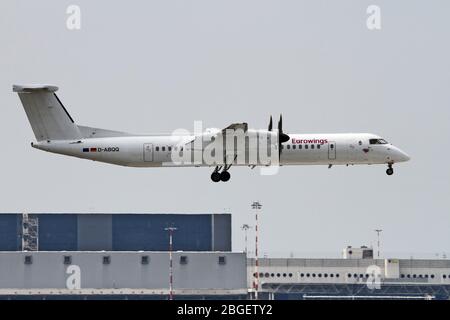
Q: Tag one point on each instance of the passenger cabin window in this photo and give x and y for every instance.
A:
(312, 146)
(288, 146)
(377, 141)
(306, 146)
(163, 148)
(157, 148)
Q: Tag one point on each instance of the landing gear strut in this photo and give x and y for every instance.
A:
(390, 170)
(224, 176)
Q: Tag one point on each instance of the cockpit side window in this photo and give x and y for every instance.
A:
(377, 141)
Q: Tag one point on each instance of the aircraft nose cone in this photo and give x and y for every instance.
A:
(405, 157)
(401, 156)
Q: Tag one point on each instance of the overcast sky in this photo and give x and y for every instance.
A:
(155, 66)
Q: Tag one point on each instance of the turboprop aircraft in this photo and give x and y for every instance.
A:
(236, 145)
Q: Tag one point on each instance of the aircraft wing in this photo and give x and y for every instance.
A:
(235, 126)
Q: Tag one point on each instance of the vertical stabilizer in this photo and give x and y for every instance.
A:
(48, 117)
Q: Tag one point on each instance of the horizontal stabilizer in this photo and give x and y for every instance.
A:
(34, 88)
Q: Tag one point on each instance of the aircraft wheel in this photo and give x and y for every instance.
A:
(225, 176)
(215, 176)
(390, 171)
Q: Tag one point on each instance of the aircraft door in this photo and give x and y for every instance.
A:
(332, 150)
(148, 152)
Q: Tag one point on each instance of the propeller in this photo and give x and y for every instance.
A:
(282, 137)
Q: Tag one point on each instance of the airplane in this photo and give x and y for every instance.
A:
(56, 132)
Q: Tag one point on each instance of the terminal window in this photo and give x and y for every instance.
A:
(67, 260)
(28, 260)
(222, 260)
(145, 259)
(183, 260)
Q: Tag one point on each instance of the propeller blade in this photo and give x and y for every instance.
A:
(280, 132)
(280, 124)
(270, 124)
(282, 137)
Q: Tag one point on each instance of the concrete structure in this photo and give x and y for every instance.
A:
(115, 232)
(214, 275)
(205, 270)
(297, 278)
(120, 274)
(357, 253)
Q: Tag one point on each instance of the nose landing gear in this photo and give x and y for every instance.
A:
(390, 170)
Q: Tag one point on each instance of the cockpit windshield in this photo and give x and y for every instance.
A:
(377, 141)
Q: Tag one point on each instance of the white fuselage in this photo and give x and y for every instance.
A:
(235, 145)
(301, 149)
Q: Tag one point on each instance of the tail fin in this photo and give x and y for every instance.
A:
(47, 115)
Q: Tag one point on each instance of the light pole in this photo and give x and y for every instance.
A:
(378, 231)
(245, 227)
(171, 230)
(256, 206)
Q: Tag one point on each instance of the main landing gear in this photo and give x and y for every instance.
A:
(390, 170)
(224, 176)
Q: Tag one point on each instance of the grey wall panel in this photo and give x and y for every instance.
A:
(125, 270)
(94, 232)
(221, 225)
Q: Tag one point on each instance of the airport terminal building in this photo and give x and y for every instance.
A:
(119, 256)
(352, 277)
(125, 256)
